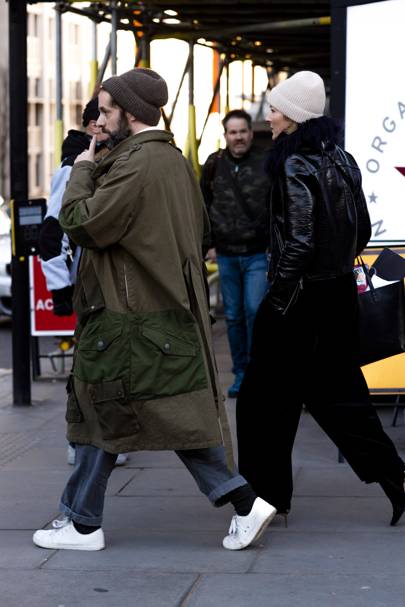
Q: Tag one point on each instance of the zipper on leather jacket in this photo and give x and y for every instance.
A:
(294, 296)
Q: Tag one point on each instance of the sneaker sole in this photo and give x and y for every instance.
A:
(69, 547)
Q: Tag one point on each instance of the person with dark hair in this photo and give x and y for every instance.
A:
(304, 348)
(144, 375)
(59, 254)
(59, 258)
(235, 189)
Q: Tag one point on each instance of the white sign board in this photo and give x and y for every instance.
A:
(375, 111)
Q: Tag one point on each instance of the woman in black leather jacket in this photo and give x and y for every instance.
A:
(304, 340)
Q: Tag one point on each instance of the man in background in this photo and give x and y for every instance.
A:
(236, 188)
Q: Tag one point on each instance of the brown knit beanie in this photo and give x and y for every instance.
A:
(141, 92)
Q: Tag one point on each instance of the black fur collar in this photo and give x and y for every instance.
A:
(310, 137)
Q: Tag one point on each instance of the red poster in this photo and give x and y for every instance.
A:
(43, 320)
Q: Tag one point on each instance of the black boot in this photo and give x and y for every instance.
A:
(395, 492)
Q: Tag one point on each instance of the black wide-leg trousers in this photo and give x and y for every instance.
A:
(308, 356)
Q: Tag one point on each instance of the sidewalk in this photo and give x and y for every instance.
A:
(164, 538)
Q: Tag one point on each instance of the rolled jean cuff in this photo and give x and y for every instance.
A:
(226, 487)
(90, 521)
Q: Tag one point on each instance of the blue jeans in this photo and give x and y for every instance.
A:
(83, 497)
(243, 286)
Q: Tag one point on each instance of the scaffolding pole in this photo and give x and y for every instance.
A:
(93, 61)
(191, 144)
(59, 86)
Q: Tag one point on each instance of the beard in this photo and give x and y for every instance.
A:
(120, 133)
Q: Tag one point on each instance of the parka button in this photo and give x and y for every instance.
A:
(167, 346)
(92, 307)
(100, 344)
(120, 393)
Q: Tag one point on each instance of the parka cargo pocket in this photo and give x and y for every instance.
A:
(73, 412)
(114, 413)
(103, 349)
(164, 364)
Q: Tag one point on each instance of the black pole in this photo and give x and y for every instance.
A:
(338, 62)
(19, 191)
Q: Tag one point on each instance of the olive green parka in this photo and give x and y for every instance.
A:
(144, 373)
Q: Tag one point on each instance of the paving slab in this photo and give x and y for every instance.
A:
(342, 514)
(170, 512)
(22, 512)
(18, 552)
(159, 482)
(332, 481)
(266, 590)
(47, 483)
(302, 553)
(93, 589)
(164, 551)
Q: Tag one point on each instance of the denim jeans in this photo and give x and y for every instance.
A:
(243, 286)
(83, 497)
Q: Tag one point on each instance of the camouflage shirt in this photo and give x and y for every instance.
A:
(236, 192)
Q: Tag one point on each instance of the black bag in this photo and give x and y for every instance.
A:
(381, 321)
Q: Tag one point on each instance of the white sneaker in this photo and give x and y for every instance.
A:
(71, 455)
(65, 537)
(246, 529)
(121, 459)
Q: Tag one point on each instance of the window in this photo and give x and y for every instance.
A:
(37, 87)
(38, 170)
(74, 33)
(33, 25)
(38, 115)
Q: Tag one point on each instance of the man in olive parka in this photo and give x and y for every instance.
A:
(144, 374)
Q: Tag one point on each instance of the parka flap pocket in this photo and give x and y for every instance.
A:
(169, 344)
(101, 341)
(107, 391)
(115, 415)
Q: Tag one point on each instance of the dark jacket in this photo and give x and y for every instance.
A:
(319, 216)
(236, 195)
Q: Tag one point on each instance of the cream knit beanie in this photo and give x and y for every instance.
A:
(300, 97)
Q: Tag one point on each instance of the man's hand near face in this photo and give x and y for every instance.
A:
(90, 153)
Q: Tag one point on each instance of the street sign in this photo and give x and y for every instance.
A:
(375, 112)
(43, 320)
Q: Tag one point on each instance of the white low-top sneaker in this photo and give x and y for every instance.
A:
(64, 536)
(121, 459)
(246, 529)
(71, 455)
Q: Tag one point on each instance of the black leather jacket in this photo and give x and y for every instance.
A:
(319, 221)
